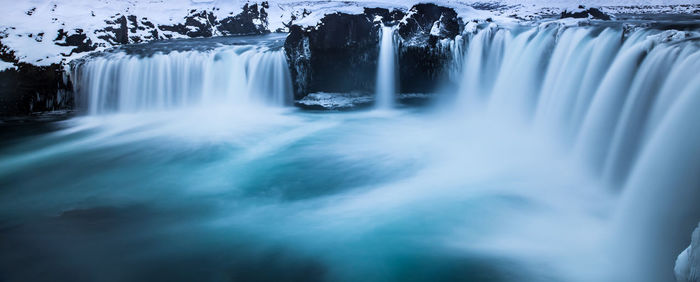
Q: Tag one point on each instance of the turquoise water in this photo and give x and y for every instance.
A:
(259, 194)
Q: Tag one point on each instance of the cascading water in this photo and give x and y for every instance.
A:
(571, 156)
(623, 104)
(386, 70)
(236, 75)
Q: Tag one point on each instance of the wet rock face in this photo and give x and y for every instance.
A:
(340, 53)
(422, 62)
(299, 59)
(421, 68)
(337, 55)
(583, 13)
(29, 89)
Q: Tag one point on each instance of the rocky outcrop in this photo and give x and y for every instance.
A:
(583, 13)
(126, 29)
(422, 62)
(252, 20)
(340, 53)
(78, 39)
(298, 51)
(28, 89)
(337, 55)
(425, 24)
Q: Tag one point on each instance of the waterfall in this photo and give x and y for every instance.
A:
(602, 90)
(624, 103)
(386, 70)
(238, 75)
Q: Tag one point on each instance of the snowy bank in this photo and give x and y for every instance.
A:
(44, 32)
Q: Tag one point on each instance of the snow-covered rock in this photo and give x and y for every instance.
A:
(334, 101)
(45, 32)
(583, 12)
(688, 262)
(426, 23)
(352, 101)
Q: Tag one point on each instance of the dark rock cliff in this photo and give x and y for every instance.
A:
(29, 89)
(340, 53)
(421, 61)
(337, 55)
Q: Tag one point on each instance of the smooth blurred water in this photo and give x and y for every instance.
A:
(386, 69)
(620, 100)
(179, 74)
(279, 194)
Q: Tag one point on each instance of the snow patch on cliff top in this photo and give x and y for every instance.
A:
(6, 66)
(30, 27)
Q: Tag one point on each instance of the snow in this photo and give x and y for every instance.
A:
(23, 21)
(470, 27)
(43, 52)
(321, 8)
(20, 19)
(335, 100)
(688, 262)
(340, 101)
(6, 66)
(672, 36)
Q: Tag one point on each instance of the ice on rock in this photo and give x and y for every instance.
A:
(437, 29)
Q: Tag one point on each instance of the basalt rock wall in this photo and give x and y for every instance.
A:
(340, 53)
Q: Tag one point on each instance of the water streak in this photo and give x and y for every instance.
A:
(386, 70)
